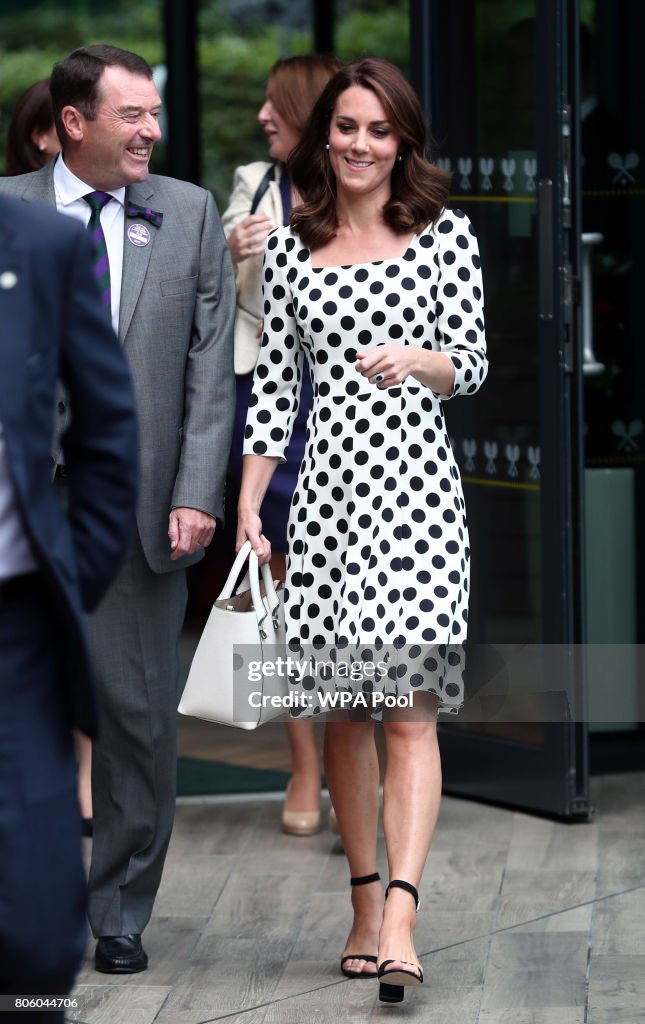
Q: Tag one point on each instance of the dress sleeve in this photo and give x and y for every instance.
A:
(278, 374)
(459, 325)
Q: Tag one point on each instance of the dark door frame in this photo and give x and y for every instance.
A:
(501, 770)
(183, 152)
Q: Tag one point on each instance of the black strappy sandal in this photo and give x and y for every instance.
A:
(361, 880)
(392, 990)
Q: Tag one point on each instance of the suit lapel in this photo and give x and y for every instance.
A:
(136, 258)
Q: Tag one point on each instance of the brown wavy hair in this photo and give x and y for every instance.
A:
(419, 187)
(295, 83)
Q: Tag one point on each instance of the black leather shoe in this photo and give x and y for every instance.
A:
(120, 954)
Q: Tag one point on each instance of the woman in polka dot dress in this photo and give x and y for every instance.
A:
(378, 286)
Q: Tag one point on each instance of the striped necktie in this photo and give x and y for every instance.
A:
(101, 265)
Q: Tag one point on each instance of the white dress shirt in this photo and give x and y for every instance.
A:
(69, 192)
(16, 556)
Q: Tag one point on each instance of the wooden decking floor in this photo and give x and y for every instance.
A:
(523, 921)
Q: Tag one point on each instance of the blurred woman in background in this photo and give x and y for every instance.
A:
(32, 141)
(262, 199)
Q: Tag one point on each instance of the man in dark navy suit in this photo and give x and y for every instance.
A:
(55, 563)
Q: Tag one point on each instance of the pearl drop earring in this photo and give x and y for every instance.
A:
(399, 158)
(327, 146)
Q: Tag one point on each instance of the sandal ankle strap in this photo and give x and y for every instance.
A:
(398, 883)
(365, 879)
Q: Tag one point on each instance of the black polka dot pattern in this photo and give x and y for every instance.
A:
(378, 542)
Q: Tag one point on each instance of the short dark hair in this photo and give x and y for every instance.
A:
(419, 187)
(75, 79)
(33, 113)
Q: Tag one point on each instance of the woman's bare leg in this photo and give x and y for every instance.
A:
(304, 786)
(84, 755)
(351, 767)
(411, 799)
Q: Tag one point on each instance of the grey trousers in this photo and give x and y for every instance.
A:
(133, 639)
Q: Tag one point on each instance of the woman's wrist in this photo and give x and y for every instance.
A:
(435, 370)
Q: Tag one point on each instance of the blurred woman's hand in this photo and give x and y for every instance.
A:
(249, 236)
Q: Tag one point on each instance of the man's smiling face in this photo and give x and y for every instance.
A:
(115, 147)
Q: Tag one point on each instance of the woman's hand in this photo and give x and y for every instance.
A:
(386, 366)
(249, 236)
(249, 527)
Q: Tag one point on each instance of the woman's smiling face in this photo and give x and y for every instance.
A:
(363, 144)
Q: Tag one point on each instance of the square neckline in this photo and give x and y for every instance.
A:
(368, 263)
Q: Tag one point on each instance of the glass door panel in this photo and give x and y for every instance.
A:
(613, 219)
(497, 91)
(497, 438)
(497, 442)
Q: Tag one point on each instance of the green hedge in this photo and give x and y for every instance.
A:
(234, 65)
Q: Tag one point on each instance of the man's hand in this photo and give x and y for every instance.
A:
(188, 531)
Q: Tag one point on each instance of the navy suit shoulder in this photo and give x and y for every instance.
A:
(35, 219)
(50, 310)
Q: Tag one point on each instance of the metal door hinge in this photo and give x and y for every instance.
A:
(566, 279)
(565, 131)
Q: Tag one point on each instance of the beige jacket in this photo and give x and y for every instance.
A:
(248, 318)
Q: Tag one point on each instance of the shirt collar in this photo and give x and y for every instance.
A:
(69, 188)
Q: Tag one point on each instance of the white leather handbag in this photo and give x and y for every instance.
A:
(236, 677)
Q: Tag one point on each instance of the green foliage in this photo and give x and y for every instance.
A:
(375, 35)
(234, 62)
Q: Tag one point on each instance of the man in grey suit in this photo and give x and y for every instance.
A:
(164, 269)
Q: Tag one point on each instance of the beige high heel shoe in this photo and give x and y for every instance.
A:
(299, 823)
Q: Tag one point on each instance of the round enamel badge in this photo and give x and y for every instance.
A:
(138, 234)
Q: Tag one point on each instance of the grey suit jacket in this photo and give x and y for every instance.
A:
(176, 326)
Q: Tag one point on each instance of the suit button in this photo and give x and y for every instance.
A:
(62, 406)
(8, 280)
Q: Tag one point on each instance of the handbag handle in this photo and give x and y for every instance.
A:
(261, 609)
(269, 176)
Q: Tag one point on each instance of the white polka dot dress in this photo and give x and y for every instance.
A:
(378, 542)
